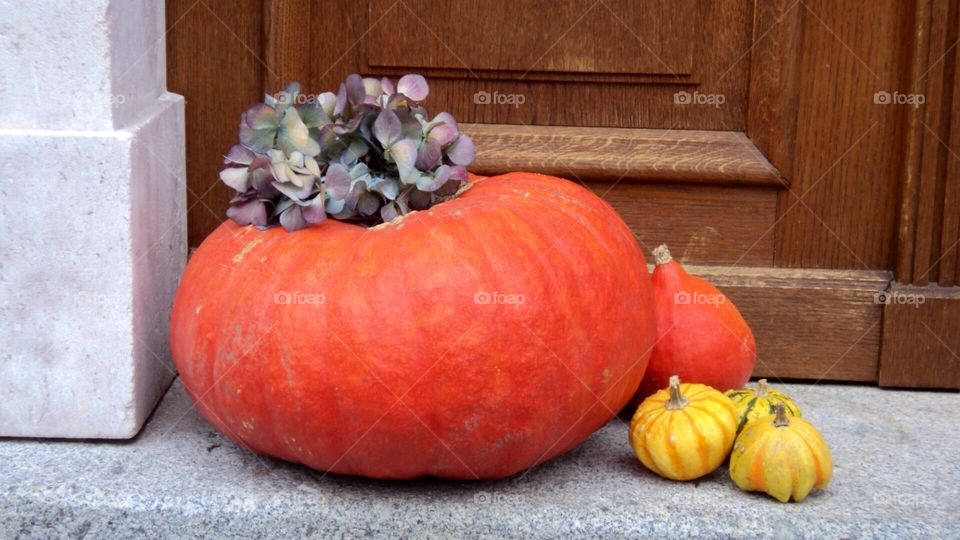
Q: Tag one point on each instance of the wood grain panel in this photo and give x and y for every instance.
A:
(841, 209)
(340, 43)
(618, 36)
(921, 341)
(719, 157)
(809, 324)
(212, 60)
(287, 51)
(701, 224)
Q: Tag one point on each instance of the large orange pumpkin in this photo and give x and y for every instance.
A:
(471, 340)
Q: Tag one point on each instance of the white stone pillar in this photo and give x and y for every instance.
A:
(93, 218)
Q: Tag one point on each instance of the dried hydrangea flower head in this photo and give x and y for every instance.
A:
(369, 152)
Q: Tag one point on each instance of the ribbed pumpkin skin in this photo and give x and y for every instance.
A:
(784, 462)
(686, 443)
(398, 371)
(752, 404)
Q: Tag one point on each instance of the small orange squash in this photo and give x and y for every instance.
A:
(685, 431)
(701, 336)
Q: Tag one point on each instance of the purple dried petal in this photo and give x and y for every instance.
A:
(429, 156)
(368, 204)
(354, 152)
(389, 212)
(292, 219)
(335, 206)
(349, 127)
(404, 154)
(337, 181)
(387, 86)
(387, 128)
(414, 87)
(449, 188)
(296, 194)
(436, 181)
(240, 155)
(314, 212)
(444, 134)
(411, 128)
(262, 181)
(341, 106)
(458, 172)
(387, 187)
(251, 212)
(372, 87)
(236, 177)
(355, 89)
(397, 101)
(261, 162)
(261, 116)
(294, 135)
(327, 102)
(420, 200)
(313, 114)
(443, 118)
(461, 152)
(257, 140)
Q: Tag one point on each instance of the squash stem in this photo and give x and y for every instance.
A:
(677, 401)
(762, 388)
(780, 420)
(661, 255)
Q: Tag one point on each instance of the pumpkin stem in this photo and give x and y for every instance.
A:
(661, 255)
(762, 389)
(677, 401)
(781, 419)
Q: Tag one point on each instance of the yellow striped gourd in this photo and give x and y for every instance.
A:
(781, 456)
(685, 431)
(752, 404)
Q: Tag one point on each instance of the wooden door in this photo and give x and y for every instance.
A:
(802, 155)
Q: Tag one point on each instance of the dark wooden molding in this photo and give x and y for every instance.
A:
(537, 76)
(774, 80)
(612, 154)
(929, 220)
(921, 337)
(809, 324)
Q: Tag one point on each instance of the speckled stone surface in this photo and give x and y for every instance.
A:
(897, 474)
